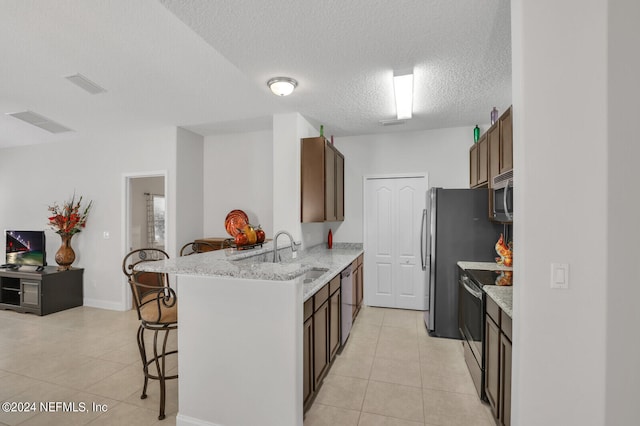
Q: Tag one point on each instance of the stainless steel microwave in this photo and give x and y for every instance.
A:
(503, 197)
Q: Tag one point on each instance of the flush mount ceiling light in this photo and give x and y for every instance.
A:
(282, 86)
(403, 89)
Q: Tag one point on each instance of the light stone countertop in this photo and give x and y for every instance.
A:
(484, 266)
(503, 296)
(256, 264)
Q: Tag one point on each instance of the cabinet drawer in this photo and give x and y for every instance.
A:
(360, 259)
(506, 325)
(308, 308)
(493, 310)
(334, 284)
(320, 297)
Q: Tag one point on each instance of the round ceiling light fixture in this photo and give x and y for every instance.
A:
(282, 86)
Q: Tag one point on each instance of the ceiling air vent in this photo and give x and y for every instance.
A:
(40, 121)
(391, 122)
(84, 83)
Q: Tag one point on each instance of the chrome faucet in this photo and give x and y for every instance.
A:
(275, 244)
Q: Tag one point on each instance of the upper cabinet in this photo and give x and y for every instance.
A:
(322, 181)
(500, 146)
(478, 163)
(493, 154)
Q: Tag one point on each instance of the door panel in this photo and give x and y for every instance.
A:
(393, 215)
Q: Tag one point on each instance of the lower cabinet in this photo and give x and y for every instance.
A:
(498, 362)
(321, 335)
(358, 284)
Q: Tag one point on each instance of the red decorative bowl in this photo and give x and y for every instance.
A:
(236, 220)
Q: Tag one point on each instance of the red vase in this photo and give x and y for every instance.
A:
(330, 239)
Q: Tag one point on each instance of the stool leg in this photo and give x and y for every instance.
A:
(143, 356)
(160, 367)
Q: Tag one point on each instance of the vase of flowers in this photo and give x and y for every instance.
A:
(67, 221)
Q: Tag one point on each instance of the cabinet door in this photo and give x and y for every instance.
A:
(30, 294)
(473, 166)
(493, 136)
(505, 381)
(334, 324)
(506, 141)
(339, 186)
(483, 156)
(307, 361)
(320, 343)
(329, 183)
(360, 286)
(312, 180)
(354, 289)
(492, 364)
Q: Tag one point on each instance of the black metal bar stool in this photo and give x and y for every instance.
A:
(157, 306)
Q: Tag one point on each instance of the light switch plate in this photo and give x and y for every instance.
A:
(560, 275)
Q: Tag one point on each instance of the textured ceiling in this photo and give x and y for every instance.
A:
(204, 64)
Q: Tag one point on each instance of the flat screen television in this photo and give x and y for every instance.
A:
(25, 248)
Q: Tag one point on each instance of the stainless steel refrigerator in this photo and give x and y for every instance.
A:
(458, 229)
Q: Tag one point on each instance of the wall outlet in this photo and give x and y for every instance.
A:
(106, 235)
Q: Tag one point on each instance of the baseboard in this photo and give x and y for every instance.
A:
(182, 420)
(97, 303)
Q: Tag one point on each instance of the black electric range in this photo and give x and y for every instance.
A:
(482, 277)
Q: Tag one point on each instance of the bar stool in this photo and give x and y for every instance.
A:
(157, 306)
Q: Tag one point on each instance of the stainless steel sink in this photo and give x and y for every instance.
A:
(313, 274)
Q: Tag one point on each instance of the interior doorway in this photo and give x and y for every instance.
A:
(145, 215)
(393, 241)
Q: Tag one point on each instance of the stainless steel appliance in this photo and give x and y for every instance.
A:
(503, 197)
(346, 289)
(458, 229)
(471, 310)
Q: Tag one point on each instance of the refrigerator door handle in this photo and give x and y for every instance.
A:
(423, 258)
(506, 207)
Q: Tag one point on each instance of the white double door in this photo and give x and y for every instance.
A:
(394, 233)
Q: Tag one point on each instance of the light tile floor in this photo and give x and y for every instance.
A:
(390, 373)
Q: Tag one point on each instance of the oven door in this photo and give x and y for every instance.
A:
(470, 316)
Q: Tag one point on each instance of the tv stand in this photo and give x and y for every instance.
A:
(41, 292)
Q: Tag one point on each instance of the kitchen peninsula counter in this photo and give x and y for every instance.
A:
(240, 335)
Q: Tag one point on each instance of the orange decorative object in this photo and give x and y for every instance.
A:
(260, 234)
(251, 234)
(505, 278)
(505, 252)
(236, 221)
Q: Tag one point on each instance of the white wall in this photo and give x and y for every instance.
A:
(623, 250)
(443, 153)
(238, 174)
(189, 188)
(560, 155)
(288, 129)
(32, 177)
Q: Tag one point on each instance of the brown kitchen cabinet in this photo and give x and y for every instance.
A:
(322, 181)
(321, 336)
(358, 284)
(500, 146)
(478, 163)
(498, 326)
(335, 303)
(307, 352)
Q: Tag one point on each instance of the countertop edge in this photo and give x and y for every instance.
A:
(503, 296)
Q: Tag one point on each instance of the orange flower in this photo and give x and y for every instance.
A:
(70, 219)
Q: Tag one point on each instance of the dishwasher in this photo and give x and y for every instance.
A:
(346, 288)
